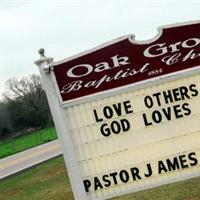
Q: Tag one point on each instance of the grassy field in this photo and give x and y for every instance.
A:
(27, 141)
(49, 181)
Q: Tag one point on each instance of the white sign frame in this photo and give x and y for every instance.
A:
(62, 123)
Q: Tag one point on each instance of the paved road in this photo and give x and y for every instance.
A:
(23, 160)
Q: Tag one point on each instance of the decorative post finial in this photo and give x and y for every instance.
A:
(41, 52)
(44, 62)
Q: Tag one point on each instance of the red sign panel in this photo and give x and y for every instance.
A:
(126, 62)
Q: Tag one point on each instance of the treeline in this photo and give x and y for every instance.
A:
(24, 107)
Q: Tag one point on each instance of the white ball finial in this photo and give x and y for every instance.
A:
(41, 52)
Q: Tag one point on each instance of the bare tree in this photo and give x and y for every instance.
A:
(27, 102)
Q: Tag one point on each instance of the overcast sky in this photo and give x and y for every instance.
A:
(65, 28)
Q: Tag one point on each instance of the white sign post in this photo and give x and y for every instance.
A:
(127, 114)
(62, 126)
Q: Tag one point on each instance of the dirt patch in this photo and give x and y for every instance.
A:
(60, 169)
(14, 192)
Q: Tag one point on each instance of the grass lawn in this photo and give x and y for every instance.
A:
(49, 181)
(27, 141)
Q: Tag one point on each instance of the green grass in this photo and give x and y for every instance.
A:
(27, 141)
(49, 181)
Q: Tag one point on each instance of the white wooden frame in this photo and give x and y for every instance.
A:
(62, 126)
(62, 122)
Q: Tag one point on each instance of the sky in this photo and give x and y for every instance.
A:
(65, 28)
